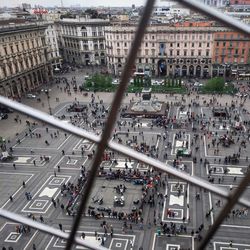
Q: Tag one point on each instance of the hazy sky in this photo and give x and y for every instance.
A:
(83, 3)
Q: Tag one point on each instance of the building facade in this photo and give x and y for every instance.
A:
(23, 58)
(53, 49)
(231, 53)
(216, 3)
(167, 50)
(82, 40)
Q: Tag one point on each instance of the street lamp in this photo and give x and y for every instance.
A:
(46, 91)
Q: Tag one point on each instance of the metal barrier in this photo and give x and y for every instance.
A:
(103, 141)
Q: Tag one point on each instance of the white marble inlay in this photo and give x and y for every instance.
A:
(121, 164)
(22, 159)
(175, 200)
(232, 170)
(143, 124)
(90, 239)
(48, 192)
(180, 144)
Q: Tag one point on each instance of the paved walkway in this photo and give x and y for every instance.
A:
(9, 128)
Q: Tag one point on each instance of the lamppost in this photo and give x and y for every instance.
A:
(46, 91)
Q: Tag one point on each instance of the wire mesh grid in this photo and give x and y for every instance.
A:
(103, 141)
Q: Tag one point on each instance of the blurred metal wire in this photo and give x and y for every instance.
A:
(119, 148)
(103, 141)
(115, 107)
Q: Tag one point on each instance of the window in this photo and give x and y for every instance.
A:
(153, 44)
(192, 45)
(243, 51)
(207, 52)
(200, 45)
(236, 51)
(185, 44)
(125, 44)
(199, 52)
(177, 52)
(185, 52)
(146, 60)
(139, 60)
(146, 52)
(178, 45)
(192, 52)
(146, 44)
(208, 45)
(171, 52)
(171, 44)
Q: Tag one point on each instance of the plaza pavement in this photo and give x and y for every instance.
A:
(42, 183)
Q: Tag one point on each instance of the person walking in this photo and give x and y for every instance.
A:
(24, 185)
(41, 219)
(11, 198)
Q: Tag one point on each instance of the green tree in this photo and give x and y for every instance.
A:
(169, 83)
(179, 82)
(215, 84)
(173, 82)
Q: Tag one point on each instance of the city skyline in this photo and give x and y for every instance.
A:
(68, 3)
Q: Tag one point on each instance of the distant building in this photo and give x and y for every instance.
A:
(239, 2)
(82, 40)
(54, 56)
(24, 62)
(171, 11)
(26, 6)
(231, 53)
(183, 49)
(216, 3)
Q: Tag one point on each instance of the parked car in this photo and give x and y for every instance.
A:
(115, 81)
(3, 116)
(184, 152)
(31, 96)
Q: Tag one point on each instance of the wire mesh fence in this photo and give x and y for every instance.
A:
(103, 141)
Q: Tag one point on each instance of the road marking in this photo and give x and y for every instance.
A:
(30, 240)
(21, 187)
(210, 206)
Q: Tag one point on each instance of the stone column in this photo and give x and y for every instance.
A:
(202, 71)
(188, 70)
(28, 83)
(31, 77)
